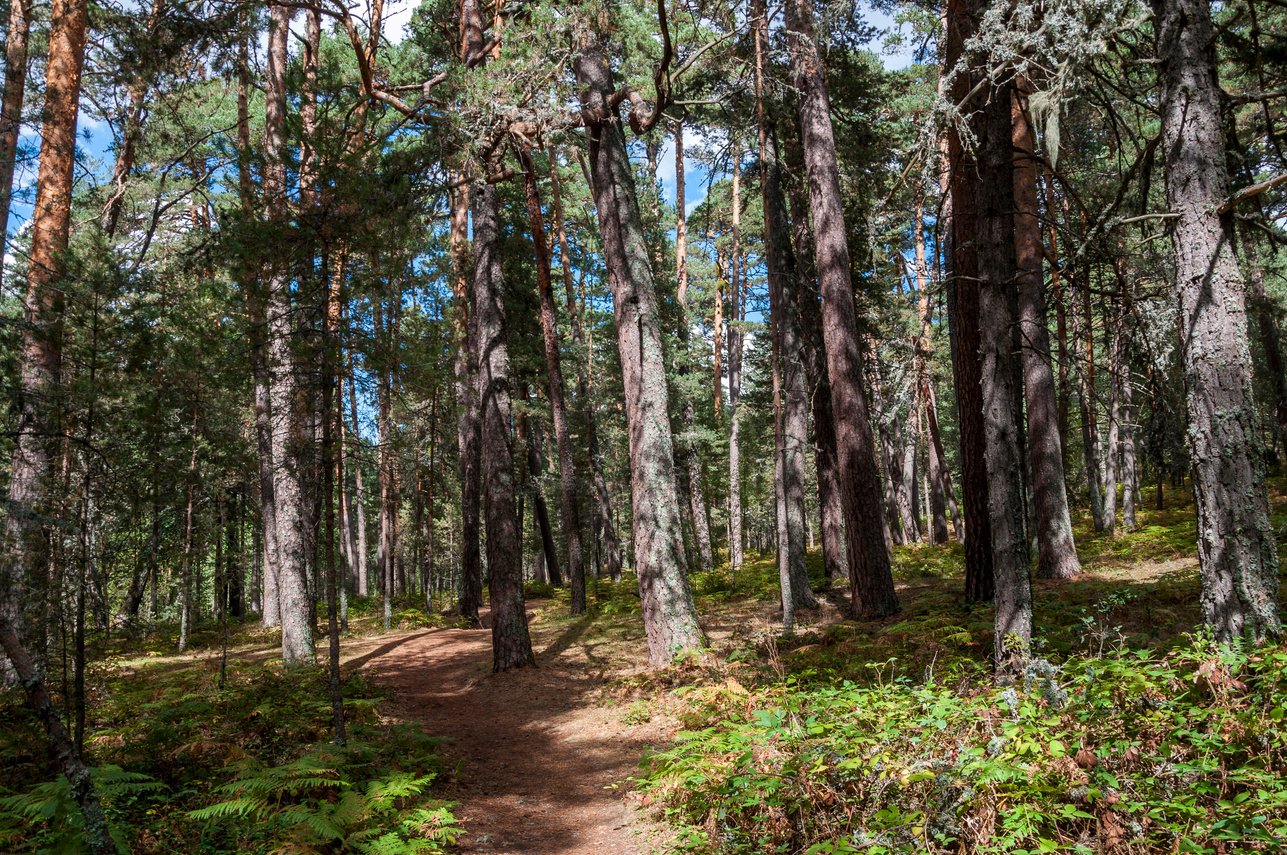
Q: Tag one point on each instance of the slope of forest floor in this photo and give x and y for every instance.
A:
(1133, 735)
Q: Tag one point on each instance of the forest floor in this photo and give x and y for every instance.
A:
(593, 752)
(537, 756)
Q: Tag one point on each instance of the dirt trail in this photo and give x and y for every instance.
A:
(536, 752)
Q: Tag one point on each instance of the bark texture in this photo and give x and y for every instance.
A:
(511, 644)
(40, 358)
(670, 618)
(869, 565)
(1056, 550)
(15, 87)
(1238, 557)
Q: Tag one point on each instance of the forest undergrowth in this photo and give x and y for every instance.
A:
(1126, 734)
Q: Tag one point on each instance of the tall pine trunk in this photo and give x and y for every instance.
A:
(511, 644)
(997, 271)
(289, 438)
(963, 321)
(467, 425)
(1238, 556)
(1056, 550)
(871, 580)
(23, 553)
(568, 498)
(692, 459)
(670, 617)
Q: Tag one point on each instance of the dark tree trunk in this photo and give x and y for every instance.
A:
(569, 501)
(361, 548)
(670, 617)
(1001, 391)
(869, 565)
(1056, 550)
(23, 550)
(511, 645)
(831, 514)
(1238, 556)
(540, 510)
(963, 324)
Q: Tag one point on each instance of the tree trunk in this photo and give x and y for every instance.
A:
(831, 515)
(289, 437)
(606, 545)
(569, 501)
(939, 478)
(1056, 550)
(736, 339)
(692, 458)
(1238, 557)
(1001, 391)
(23, 550)
(786, 295)
(15, 85)
(467, 423)
(540, 510)
(384, 468)
(670, 617)
(871, 579)
(511, 645)
(963, 325)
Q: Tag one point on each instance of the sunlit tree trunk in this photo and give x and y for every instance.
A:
(670, 617)
(289, 437)
(23, 555)
(692, 459)
(15, 87)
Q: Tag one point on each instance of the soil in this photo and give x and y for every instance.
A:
(539, 756)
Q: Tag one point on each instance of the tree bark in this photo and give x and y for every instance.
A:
(362, 549)
(511, 644)
(786, 295)
(290, 439)
(1238, 557)
(1056, 550)
(963, 323)
(607, 547)
(831, 515)
(1001, 392)
(871, 580)
(569, 502)
(736, 339)
(670, 617)
(22, 551)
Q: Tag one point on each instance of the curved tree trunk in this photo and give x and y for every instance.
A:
(670, 617)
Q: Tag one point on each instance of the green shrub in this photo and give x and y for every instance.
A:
(1187, 752)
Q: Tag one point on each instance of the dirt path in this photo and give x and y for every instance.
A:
(537, 755)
